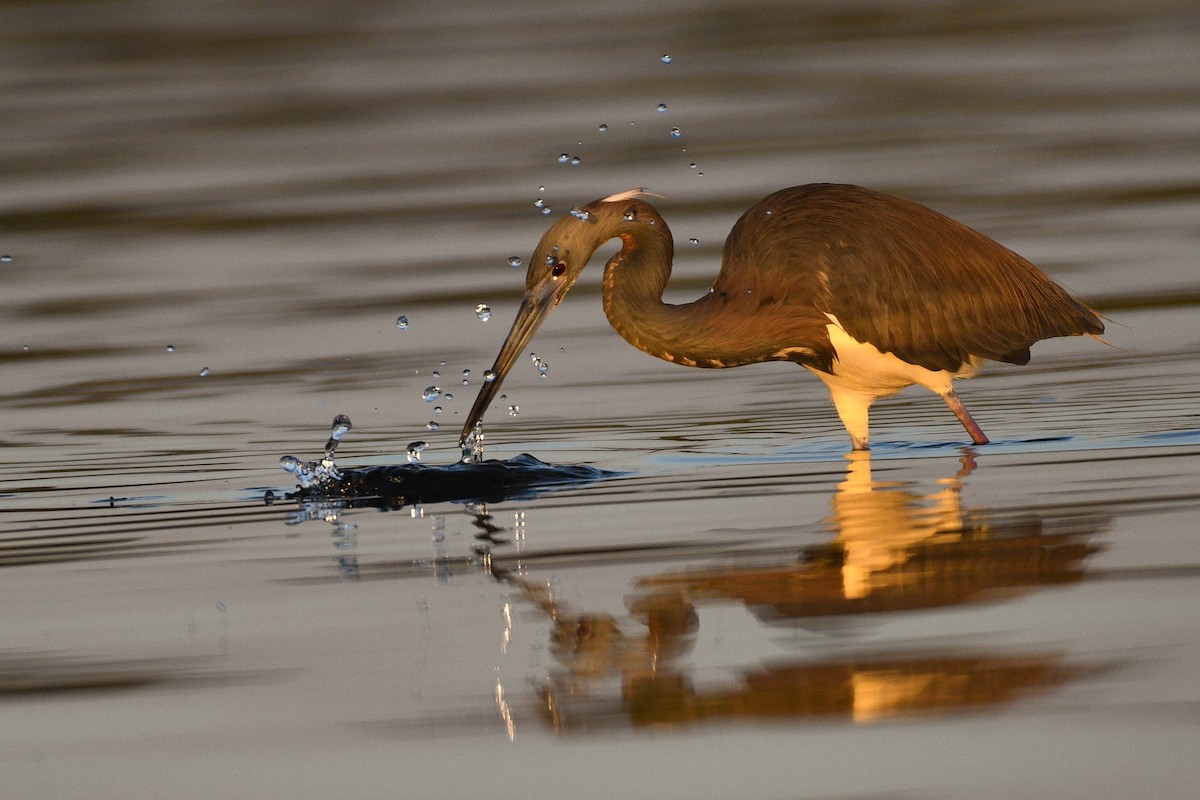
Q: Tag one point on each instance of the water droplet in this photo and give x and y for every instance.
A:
(630, 215)
(483, 312)
(675, 133)
(539, 203)
(541, 188)
(693, 241)
(402, 322)
(488, 376)
(204, 372)
(514, 411)
(447, 397)
(604, 129)
(466, 373)
(564, 158)
(170, 348)
(575, 161)
(547, 210)
(514, 261)
(431, 426)
(437, 409)
(431, 393)
(541, 365)
(662, 107)
(6, 258)
(579, 213)
(692, 165)
(289, 463)
(414, 451)
(466, 382)
(666, 59)
(436, 375)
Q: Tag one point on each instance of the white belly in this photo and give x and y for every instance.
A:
(861, 368)
(862, 374)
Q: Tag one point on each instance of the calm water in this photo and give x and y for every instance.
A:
(259, 190)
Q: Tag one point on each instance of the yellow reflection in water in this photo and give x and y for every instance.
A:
(894, 550)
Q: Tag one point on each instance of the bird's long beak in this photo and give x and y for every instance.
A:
(530, 316)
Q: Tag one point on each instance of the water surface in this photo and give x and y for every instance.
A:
(259, 192)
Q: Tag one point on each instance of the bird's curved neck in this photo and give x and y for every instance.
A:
(634, 281)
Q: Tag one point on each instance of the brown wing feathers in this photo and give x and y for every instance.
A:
(905, 278)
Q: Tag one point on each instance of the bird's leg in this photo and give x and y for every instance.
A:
(853, 408)
(960, 411)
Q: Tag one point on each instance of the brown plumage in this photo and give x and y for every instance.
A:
(871, 292)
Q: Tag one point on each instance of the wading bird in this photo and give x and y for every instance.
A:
(870, 292)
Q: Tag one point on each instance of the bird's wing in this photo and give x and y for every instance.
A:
(905, 278)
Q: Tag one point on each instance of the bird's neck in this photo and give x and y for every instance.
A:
(634, 281)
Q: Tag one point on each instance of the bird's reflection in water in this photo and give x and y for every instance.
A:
(895, 550)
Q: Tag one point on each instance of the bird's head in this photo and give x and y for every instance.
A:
(560, 257)
(557, 261)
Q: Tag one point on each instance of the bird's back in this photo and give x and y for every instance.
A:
(903, 277)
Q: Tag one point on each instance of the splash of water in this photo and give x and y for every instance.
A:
(325, 471)
(341, 426)
(472, 449)
(414, 451)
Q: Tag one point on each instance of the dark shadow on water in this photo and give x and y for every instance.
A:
(47, 674)
(394, 486)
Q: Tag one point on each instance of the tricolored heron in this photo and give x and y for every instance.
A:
(870, 292)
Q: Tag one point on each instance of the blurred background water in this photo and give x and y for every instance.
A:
(256, 191)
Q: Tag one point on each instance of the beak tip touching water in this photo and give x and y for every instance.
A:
(530, 316)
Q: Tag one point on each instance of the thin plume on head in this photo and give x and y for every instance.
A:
(631, 194)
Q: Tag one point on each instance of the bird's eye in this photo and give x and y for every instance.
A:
(558, 269)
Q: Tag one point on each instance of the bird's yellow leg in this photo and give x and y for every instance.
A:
(854, 409)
